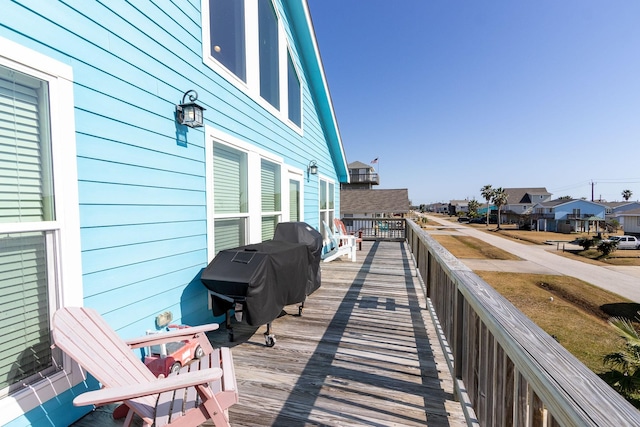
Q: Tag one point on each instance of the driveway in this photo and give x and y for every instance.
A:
(624, 281)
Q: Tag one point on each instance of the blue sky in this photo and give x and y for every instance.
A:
(453, 95)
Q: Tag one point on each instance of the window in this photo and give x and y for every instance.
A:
(39, 226)
(230, 197)
(25, 288)
(226, 19)
(244, 192)
(327, 205)
(270, 196)
(246, 43)
(269, 55)
(294, 104)
(294, 200)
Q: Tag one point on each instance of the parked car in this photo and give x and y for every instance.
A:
(478, 220)
(625, 242)
(463, 219)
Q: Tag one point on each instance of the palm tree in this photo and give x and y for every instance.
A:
(626, 194)
(487, 193)
(499, 198)
(473, 208)
(625, 363)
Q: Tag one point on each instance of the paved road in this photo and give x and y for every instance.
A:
(624, 281)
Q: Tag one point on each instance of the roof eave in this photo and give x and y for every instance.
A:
(302, 24)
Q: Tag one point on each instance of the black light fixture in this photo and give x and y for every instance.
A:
(312, 168)
(190, 113)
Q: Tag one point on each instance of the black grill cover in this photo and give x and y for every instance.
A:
(301, 232)
(265, 276)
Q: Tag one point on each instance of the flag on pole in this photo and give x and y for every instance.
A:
(374, 161)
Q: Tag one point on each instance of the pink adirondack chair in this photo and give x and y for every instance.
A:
(202, 390)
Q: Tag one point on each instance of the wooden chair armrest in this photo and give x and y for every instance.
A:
(160, 385)
(170, 336)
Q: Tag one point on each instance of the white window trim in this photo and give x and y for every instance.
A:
(283, 189)
(254, 156)
(320, 210)
(292, 173)
(252, 85)
(69, 269)
(299, 77)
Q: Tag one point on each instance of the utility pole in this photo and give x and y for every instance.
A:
(592, 184)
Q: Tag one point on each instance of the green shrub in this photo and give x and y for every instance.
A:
(607, 247)
(586, 243)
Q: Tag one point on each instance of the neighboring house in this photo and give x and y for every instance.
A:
(109, 202)
(374, 203)
(520, 201)
(567, 215)
(630, 221)
(361, 177)
(457, 206)
(614, 208)
(441, 208)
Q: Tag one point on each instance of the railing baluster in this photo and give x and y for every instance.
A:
(510, 371)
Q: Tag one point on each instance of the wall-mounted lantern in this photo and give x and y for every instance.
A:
(190, 113)
(312, 168)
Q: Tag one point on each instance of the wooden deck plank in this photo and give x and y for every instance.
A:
(363, 353)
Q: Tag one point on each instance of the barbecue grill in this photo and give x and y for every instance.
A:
(259, 280)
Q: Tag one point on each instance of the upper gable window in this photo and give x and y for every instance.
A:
(295, 104)
(226, 24)
(269, 58)
(245, 42)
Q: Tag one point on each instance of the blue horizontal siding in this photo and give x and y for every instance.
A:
(168, 290)
(141, 176)
(103, 259)
(109, 215)
(130, 274)
(94, 170)
(125, 194)
(124, 235)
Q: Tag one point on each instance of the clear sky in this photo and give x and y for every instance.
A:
(451, 95)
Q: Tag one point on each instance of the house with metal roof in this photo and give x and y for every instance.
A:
(138, 139)
(567, 215)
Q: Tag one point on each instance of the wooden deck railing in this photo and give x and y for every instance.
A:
(508, 371)
(377, 228)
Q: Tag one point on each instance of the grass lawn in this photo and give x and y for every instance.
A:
(572, 311)
(470, 247)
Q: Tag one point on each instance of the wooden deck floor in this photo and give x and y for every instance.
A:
(363, 353)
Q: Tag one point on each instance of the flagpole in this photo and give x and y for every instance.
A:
(376, 161)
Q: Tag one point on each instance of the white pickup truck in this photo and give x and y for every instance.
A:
(626, 242)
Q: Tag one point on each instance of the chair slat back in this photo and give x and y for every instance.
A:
(87, 338)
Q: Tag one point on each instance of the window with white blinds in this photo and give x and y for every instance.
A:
(244, 192)
(25, 160)
(229, 233)
(294, 200)
(270, 197)
(26, 185)
(230, 182)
